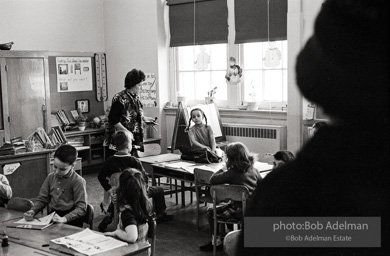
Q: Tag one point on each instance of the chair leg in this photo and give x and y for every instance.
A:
(170, 186)
(177, 197)
(197, 215)
(191, 196)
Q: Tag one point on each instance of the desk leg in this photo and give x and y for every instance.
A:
(177, 196)
(183, 191)
(153, 179)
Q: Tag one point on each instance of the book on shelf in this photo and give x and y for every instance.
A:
(69, 116)
(36, 223)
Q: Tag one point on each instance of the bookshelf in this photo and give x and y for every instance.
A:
(89, 144)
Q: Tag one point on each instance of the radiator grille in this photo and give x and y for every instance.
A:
(256, 132)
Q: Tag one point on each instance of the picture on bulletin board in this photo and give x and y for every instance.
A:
(74, 74)
(148, 93)
(83, 105)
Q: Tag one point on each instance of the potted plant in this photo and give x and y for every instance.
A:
(81, 122)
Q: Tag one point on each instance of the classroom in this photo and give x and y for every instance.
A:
(68, 69)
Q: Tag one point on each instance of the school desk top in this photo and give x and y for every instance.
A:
(34, 239)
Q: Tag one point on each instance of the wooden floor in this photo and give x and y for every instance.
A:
(176, 237)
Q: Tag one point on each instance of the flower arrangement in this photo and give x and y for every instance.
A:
(81, 119)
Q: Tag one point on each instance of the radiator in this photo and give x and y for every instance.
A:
(260, 139)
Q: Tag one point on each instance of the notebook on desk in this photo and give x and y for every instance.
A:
(36, 223)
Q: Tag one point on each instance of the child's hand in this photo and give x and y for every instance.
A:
(112, 193)
(59, 219)
(29, 215)
(109, 233)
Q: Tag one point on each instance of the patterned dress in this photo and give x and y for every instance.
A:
(126, 109)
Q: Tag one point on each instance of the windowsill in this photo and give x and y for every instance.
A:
(242, 114)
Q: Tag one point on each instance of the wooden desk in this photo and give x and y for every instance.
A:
(160, 168)
(34, 239)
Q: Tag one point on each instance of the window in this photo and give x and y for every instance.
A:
(265, 84)
(200, 68)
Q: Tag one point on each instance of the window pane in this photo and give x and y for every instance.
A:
(200, 69)
(273, 85)
(252, 56)
(252, 85)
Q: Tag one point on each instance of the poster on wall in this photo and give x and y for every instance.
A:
(148, 95)
(74, 74)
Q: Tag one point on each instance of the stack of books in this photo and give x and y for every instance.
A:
(57, 136)
(18, 144)
(7, 149)
(64, 118)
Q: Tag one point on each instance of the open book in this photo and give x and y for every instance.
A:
(36, 223)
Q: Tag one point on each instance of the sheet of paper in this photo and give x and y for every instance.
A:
(89, 242)
(179, 164)
(43, 221)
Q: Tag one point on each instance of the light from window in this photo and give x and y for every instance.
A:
(201, 68)
(260, 82)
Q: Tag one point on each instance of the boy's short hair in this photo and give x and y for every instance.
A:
(122, 139)
(66, 154)
(284, 155)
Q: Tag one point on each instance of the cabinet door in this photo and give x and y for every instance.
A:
(26, 95)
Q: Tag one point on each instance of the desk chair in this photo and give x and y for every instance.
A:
(152, 235)
(89, 216)
(202, 189)
(20, 204)
(230, 243)
(233, 193)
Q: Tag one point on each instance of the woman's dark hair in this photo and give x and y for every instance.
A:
(134, 77)
(122, 139)
(66, 154)
(195, 109)
(238, 157)
(320, 124)
(132, 191)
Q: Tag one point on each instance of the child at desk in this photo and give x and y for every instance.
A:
(120, 161)
(239, 170)
(134, 207)
(201, 135)
(282, 157)
(63, 190)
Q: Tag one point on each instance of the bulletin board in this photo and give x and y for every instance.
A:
(148, 93)
(74, 74)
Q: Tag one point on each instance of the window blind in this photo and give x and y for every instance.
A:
(251, 20)
(211, 24)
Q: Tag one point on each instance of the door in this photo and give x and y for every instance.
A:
(26, 96)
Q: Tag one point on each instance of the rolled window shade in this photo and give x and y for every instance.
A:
(211, 24)
(251, 20)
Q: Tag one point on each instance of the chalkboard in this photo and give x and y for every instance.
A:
(180, 137)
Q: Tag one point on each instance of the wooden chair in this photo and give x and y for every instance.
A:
(89, 216)
(234, 193)
(20, 204)
(202, 189)
(152, 235)
(114, 182)
(230, 242)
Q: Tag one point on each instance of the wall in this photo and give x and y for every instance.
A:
(135, 38)
(53, 25)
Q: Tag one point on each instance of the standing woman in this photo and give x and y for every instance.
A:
(126, 113)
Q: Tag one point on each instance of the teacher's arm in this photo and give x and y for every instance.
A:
(115, 115)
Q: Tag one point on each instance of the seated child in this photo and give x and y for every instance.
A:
(5, 190)
(120, 161)
(63, 190)
(239, 170)
(201, 135)
(282, 157)
(134, 207)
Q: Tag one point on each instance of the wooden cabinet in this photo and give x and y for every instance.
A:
(89, 144)
(27, 179)
(24, 92)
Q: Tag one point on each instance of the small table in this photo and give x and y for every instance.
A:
(19, 239)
